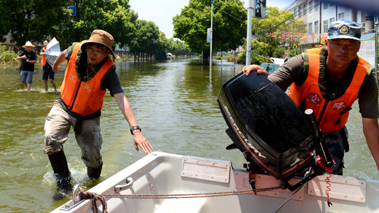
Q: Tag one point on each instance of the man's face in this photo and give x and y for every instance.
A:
(28, 49)
(45, 43)
(342, 51)
(96, 54)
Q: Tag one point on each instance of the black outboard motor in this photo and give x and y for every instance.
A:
(271, 131)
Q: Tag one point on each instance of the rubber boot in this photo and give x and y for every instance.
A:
(62, 174)
(94, 173)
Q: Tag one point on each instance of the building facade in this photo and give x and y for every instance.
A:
(318, 16)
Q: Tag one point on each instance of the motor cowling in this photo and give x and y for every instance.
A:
(268, 127)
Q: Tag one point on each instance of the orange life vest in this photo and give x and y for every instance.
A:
(334, 112)
(83, 97)
(43, 61)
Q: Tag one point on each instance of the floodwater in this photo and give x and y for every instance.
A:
(175, 105)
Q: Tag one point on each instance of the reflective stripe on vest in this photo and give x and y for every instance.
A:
(83, 97)
(43, 61)
(334, 112)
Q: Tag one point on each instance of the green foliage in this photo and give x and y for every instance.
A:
(241, 58)
(295, 52)
(177, 47)
(275, 20)
(147, 38)
(113, 16)
(230, 58)
(255, 58)
(217, 57)
(192, 23)
(7, 56)
(279, 52)
(32, 20)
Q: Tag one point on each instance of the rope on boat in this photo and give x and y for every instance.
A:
(101, 198)
(95, 197)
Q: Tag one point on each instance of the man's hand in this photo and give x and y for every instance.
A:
(24, 57)
(141, 141)
(56, 68)
(251, 68)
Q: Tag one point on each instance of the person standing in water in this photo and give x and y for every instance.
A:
(48, 72)
(28, 58)
(90, 71)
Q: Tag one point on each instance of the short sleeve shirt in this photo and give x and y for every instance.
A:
(112, 83)
(293, 71)
(25, 66)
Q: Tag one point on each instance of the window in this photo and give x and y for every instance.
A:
(316, 5)
(295, 12)
(310, 6)
(310, 27)
(326, 5)
(326, 26)
(341, 16)
(332, 20)
(304, 9)
(316, 27)
(300, 11)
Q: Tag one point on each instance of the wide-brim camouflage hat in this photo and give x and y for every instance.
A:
(345, 29)
(100, 37)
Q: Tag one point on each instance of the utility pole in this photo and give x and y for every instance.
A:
(210, 56)
(248, 42)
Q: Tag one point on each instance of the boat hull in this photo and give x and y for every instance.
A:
(163, 173)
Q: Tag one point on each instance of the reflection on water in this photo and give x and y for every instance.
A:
(174, 103)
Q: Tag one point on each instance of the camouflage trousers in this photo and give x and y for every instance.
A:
(335, 143)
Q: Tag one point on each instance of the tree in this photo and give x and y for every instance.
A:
(264, 29)
(113, 16)
(229, 25)
(31, 20)
(177, 47)
(147, 39)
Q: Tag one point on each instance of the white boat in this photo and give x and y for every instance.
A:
(168, 174)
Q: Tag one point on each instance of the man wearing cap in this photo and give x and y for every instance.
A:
(90, 71)
(28, 59)
(329, 80)
(48, 72)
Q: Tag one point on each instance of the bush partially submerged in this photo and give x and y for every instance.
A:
(7, 56)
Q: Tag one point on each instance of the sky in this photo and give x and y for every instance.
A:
(162, 11)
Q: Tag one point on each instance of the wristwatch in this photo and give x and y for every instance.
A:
(134, 128)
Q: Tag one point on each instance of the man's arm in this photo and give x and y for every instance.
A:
(371, 131)
(127, 111)
(21, 56)
(61, 58)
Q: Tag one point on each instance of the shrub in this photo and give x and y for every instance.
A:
(8, 56)
(230, 58)
(255, 59)
(279, 52)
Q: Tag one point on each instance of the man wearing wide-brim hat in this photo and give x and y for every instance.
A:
(90, 71)
(328, 81)
(28, 58)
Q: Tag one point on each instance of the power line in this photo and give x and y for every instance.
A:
(228, 14)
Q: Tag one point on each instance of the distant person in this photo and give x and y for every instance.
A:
(90, 71)
(28, 58)
(48, 72)
(328, 80)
